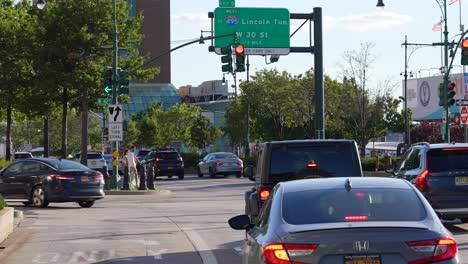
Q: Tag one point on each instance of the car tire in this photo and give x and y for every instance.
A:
(39, 197)
(86, 204)
(238, 175)
(27, 203)
(181, 176)
(212, 173)
(169, 176)
(464, 220)
(200, 174)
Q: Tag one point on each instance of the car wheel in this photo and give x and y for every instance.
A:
(181, 176)
(169, 176)
(200, 174)
(39, 197)
(212, 173)
(27, 203)
(86, 204)
(464, 220)
(238, 175)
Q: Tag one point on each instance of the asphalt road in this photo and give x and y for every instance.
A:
(189, 225)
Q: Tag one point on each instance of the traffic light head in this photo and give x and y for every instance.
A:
(464, 52)
(108, 78)
(442, 92)
(226, 59)
(457, 119)
(451, 94)
(240, 58)
(123, 82)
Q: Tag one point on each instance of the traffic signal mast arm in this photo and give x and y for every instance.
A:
(178, 47)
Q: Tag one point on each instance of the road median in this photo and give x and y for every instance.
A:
(138, 192)
(6, 222)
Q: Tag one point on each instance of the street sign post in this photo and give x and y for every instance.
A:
(464, 115)
(263, 31)
(104, 101)
(227, 3)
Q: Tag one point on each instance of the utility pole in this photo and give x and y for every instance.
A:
(115, 83)
(247, 150)
(407, 131)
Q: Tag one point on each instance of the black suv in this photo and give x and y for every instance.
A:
(440, 172)
(166, 162)
(298, 159)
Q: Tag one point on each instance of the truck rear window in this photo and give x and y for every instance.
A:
(313, 161)
(447, 159)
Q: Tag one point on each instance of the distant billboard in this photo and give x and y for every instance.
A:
(423, 96)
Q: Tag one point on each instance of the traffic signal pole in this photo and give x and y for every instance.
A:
(446, 75)
(115, 144)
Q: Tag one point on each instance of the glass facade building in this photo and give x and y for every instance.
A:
(144, 95)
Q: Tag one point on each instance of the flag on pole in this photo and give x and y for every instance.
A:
(452, 2)
(437, 27)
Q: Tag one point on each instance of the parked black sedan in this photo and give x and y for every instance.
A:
(39, 181)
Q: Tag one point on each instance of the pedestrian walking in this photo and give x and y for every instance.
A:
(131, 163)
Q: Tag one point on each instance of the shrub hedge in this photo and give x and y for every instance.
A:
(3, 204)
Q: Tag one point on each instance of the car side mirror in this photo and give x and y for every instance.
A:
(249, 172)
(240, 222)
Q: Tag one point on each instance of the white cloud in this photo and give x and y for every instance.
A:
(367, 22)
(200, 19)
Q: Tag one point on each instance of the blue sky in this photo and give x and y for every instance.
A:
(347, 24)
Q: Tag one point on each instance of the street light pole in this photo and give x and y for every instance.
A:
(115, 144)
(407, 130)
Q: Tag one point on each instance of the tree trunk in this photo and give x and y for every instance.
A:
(64, 123)
(84, 124)
(46, 137)
(8, 134)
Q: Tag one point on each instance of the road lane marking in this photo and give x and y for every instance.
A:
(200, 245)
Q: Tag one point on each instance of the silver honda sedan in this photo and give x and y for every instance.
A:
(346, 221)
(220, 163)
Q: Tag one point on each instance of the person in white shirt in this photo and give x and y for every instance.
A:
(131, 163)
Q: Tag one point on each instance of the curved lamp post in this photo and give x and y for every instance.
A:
(40, 4)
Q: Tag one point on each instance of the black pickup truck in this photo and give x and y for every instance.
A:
(279, 161)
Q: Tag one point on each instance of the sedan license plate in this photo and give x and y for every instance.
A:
(459, 180)
(362, 259)
(84, 178)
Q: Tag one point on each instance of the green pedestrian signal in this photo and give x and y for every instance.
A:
(226, 59)
(240, 58)
(108, 75)
(464, 52)
(123, 82)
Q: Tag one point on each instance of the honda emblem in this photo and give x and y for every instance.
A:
(361, 246)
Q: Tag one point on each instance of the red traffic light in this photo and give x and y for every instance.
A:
(452, 86)
(457, 119)
(240, 49)
(465, 43)
(108, 73)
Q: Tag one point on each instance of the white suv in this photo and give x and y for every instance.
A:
(95, 160)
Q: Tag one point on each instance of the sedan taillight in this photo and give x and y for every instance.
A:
(61, 177)
(421, 181)
(280, 253)
(99, 177)
(442, 249)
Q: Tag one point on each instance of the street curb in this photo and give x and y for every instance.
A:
(6, 222)
(137, 192)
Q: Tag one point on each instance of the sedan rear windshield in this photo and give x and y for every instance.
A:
(313, 161)
(339, 205)
(447, 159)
(225, 156)
(62, 164)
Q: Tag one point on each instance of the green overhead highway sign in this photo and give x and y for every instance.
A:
(104, 101)
(262, 31)
(227, 3)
